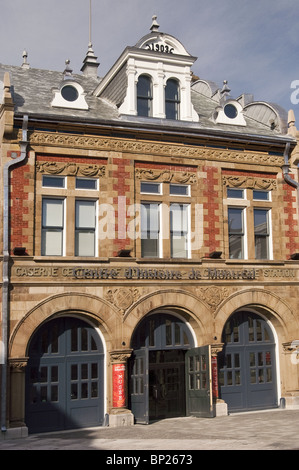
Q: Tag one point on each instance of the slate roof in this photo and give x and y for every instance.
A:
(32, 91)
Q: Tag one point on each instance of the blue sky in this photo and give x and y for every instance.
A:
(253, 44)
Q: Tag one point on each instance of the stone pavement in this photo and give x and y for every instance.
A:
(267, 430)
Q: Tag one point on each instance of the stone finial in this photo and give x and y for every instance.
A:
(155, 26)
(224, 93)
(68, 70)
(25, 64)
(90, 63)
(291, 123)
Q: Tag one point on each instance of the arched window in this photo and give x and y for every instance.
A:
(144, 96)
(172, 99)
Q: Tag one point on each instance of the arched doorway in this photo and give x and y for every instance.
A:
(64, 377)
(167, 374)
(247, 364)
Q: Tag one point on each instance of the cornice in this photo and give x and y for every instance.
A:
(38, 138)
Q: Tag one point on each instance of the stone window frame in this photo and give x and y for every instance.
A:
(249, 204)
(69, 194)
(165, 199)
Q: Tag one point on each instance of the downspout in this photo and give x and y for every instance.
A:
(5, 271)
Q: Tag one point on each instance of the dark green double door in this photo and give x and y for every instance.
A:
(167, 383)
(64, 377)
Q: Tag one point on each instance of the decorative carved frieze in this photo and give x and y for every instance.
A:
(120, 356)
(18, 364)
(122, 298)
(213, 295)
(70, 169)
(152, 148)
(249, 182)
(166, 176)
(216, 348)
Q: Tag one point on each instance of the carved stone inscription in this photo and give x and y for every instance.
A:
(154, 273)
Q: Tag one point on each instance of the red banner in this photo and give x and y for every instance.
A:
(214, 377)
(119, 396)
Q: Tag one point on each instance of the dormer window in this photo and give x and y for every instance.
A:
(230, 111)
(144, 96)
(172, 99)
(70, 95)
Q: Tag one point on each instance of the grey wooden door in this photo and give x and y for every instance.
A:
(247, 364)
(64, 377)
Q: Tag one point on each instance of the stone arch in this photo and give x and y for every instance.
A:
(89, 307)
(192, 309)
(265, 302)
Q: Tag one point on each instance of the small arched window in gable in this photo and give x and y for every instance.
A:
(172, 99)
(144, 96)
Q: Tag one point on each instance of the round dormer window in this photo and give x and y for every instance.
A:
(230, 111)
(69, 93)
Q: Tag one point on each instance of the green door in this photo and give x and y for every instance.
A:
(139, 386)
(199, 399)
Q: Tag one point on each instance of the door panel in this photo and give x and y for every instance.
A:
(250, 381)
(198, 382)
(139, 386)
(64, 377)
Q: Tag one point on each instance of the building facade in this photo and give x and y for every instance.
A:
(150, 244)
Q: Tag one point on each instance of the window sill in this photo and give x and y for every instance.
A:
(75, 259)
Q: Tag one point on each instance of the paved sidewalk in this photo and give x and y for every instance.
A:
(268, 430)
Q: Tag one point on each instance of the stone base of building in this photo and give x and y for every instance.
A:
(290, 402)
(121, 418)
(220, 408)
(14, 433)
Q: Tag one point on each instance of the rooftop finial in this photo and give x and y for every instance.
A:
(225, 91)
(68, 70)
(155, 26)
(90, 64)
(25, 64)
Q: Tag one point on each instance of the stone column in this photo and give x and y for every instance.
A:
(220, 407)
(120, 415)
(17, 425)
(290, 393)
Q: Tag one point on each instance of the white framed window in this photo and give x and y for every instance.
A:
(179, 230)
(179, 189)
(249, 223)
(262, 233)
(53, 181)
(235, 193)
(236, 232)
(52, 243)
(144, 96)
(150, 188)
(260, 195)
(87, 183)
(85, 227)
(150, 230)
(172, 99)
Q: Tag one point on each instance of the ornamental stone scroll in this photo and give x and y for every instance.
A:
(70, 169)
(249, 182)
(166, 176)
